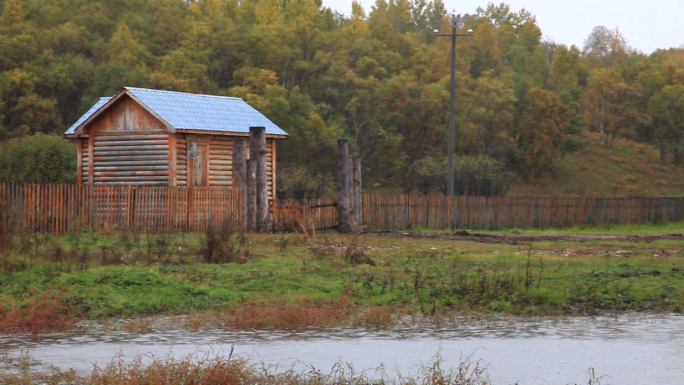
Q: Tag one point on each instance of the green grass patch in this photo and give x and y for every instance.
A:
(410, 276)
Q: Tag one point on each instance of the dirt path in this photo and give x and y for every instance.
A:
(514, 239)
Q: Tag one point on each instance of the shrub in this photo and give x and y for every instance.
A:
(220, 244)
(38, 159)
(480, 175)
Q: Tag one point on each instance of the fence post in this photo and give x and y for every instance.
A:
(240, 177)
(357, 191)
(251, 195)
(257, 150)
(343, 188)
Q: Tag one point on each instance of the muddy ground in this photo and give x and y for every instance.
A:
(514, 239)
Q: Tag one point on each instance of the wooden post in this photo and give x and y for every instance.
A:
(257, 148)
(240, 177)
(344, 225)
(251, 195)
(357, 191)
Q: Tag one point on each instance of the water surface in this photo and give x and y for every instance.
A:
(632, 350)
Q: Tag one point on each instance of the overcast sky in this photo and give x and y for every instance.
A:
(646, 24)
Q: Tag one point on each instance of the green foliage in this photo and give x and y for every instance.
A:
(479, 175)
(377, 76)
(473, 175)
(38, 159)
(408, 275)
(300, 182)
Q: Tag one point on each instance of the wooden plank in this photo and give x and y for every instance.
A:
(272, 161)
(130, 168)
(131, 178)
(129, 173)
(90, 160)
(79, 161)
(173, 165)
(128, 136)
(100, 159)
(128, 143)
(130, 153)
(134, 147)
(108, 163)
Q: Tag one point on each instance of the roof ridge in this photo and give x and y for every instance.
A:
(184, 93)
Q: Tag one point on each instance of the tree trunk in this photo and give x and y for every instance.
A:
(251, 195)
(343, 188)
(257, 147)
(240, 177)
(358, 191)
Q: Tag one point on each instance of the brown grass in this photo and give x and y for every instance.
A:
(205, 369)
(277, 315)
(627, 168)
(291, 316)
(44, 313)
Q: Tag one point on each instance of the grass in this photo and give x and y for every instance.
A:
(627, 168)
(204, 369)
(207, 369)
(276, 281)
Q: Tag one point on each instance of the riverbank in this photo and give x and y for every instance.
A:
(294, 281)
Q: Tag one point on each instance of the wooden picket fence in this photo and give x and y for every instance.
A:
(307, 215)
(400, 212)
(61, 208)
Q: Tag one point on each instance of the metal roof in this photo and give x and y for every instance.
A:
(186, 111)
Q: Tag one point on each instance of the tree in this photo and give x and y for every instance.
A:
(605, 45)
(485, 118)
(539, 133)
(13, 13)
(609, 104)
(667, 109)
(38, 159)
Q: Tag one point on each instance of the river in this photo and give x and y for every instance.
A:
(628, 350)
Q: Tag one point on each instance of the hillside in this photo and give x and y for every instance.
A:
(626, 169)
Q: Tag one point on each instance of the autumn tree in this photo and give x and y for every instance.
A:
(539, 131)
(609, 104)
(667, 109)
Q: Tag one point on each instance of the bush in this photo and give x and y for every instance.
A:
(301, 182)
(479, 175)
(38, 159)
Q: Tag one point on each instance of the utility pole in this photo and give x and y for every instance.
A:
(452, 100)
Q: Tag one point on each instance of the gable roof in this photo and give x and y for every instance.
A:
(185, 111)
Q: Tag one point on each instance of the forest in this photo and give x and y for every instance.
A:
(377, 76)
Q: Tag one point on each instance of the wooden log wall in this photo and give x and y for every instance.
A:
(221, 161)
(126, 144)
(131, 158)
(399, 212)
(85, 165)
(181, 160)
(60, 209)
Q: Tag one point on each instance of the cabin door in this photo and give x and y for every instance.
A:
(198, 164)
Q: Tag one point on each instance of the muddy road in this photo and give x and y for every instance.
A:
(515, 239)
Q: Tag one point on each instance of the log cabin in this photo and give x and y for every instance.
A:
(150, 137)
